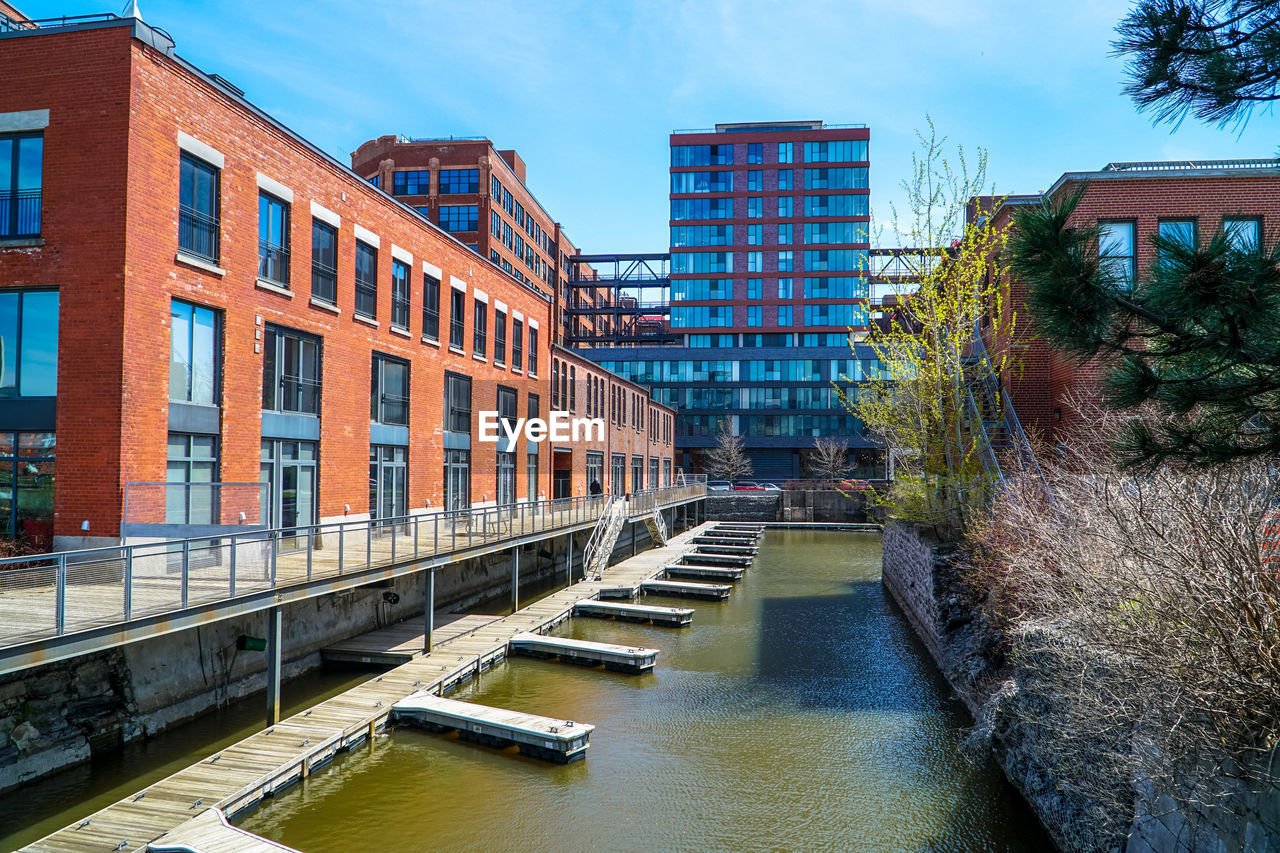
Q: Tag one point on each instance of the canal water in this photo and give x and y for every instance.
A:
(801, 714)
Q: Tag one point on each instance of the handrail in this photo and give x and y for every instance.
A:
(989, 460)
(999, 397)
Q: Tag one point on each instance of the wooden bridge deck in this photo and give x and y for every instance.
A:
(240, 775)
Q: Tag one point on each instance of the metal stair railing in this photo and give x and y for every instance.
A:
(995, 396)
(657, 527)
(595, 557)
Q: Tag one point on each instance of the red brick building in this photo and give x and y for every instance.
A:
(1131, 202)
(191, 294)
(478, 193)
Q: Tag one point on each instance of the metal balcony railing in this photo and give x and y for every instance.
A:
(198, 234)
(51, 595)
(324, 282)
(20, 213)
(273, 262)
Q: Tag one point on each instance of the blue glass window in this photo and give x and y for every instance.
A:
(411, 183)
(460, 217)
(21, 165)
(458, 181)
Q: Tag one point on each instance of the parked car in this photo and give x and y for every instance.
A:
(747, 486)
(718, 485)
(770, 487)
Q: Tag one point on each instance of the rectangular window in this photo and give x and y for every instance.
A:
(836, 179)
(533, 351)
(517, 344)
(457, 403)
(835, 259)
(508, 202)
(430, 307)
(21, 178)
(785, 152)
(399, 295)
(194, 365)
(495, 191)
(784, 179)
(198, 206)
(755, 207)
(701, 235)
(836, 151)
(784, 234)
(701, 208)
(785, 261)
(836, 287)
(702, 182)
(1243, 232)
(835, 232)
(324, 262)
(28, 344)
(701, 289)
(755, 180)
(755, 235)
(388, 476)
(755, 315)
(755, 152)
(459, 181)
(698, 262)
(755, 261)
(457, 218)
(480, 333)
(366, 280)
(1116, 252)
(417, 182)
(835, 205)
(784, 315)
(495, 223)
(701, 155)
(290, 371)
(499, 336)
(191, 470)
(784, 206)
(389, 397)
(784, 288)
(457, 318)
(755, 288)
(1179, 231)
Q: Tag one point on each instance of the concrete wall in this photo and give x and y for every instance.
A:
(743, 506)
(824, 505)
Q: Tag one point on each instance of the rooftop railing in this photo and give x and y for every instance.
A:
(1191, 165)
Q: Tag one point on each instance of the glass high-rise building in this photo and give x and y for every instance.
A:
(769, 275)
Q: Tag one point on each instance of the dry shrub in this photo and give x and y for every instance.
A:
(1143, 611)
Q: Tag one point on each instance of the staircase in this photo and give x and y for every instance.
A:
(1002, 445)
(604, 537)
(657, 528)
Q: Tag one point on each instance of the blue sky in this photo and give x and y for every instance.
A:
(588, 92)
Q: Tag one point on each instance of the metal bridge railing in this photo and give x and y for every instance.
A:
(49, 595)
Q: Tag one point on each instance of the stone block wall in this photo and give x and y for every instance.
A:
(743, 506)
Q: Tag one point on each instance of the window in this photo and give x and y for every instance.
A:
(193, 353)
(495, 190)
(701, 208)
(755, 315)
(366, 280)
(755, 288)
(835, 232)
(457, 479)
(701, 235)
(399, 295)
(1180, 231)
(637, 472)
(508, 203)
(573, 389)
(324, 262)
(836, 179)
(290, 371)
(701, 262)
(835, 259)
(430, 307)
(755, 152)
(388, 473)
(411, 183)
(755, 180)
(531, 474)
(460, 217)
(835, 205)
(457, 318)
(499, 336)
(784, 179)
(533, 351)
(198, 227)
(517, 344)
(784, 315)
(480, 332)
(702, 182)
(191, 470)
(28, 345)
(1115, 252)
(495, 223)
(836, 287)
(784, 206)
(506, 480)
(755, 261)
(21, 175)
(836, 151)
(785, 152)
(755, 235)
(389, 397)
(457, 403)
(784, 261)
(1243, 233)
(458, 181)
(784, 288)
(27, 468)
(834, 315)
(701, 155)
(755, 207)
(701, 316)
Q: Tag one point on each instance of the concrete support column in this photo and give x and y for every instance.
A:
(274, 638)
(515, 579)
(429, 617)
(633, 539)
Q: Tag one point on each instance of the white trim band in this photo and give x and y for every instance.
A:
(274, 187)
(326, 215)
(457, 283)
(516, 315)
(208, 153)
(481, 296)
(533, 324)
(500, 306)
(364, 235)
(431, 270)
(401, 255)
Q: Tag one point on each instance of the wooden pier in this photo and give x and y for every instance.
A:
(731, 574)
(629, 659)
(403, 641)
(674, 617)
(241, 775)
(732, 550)
(696, 558)
(559, 741)
(687, 589)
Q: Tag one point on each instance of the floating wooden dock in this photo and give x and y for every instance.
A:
(730, 541)
(559, 741)
(731, 574)
(687, 589)
(209, 832)
(734, 550)
(402, 642)
(675, 617)
(734, 560)
(630, 659)
(758, 527)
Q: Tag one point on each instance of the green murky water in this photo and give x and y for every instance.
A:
(802, 714)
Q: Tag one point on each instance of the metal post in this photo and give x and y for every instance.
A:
(436, 535)
(274, 638)
(393, 542)
(231, 573)
(569, 561)
(416, 545)
(368, 544)
(342, 529)
(275, 552)
(515, 579)
(311, 549)
(128, 583)
(60, 611)
(429, 617)
(633, 538)
(186, 565)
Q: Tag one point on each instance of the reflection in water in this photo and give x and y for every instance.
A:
(800, 714)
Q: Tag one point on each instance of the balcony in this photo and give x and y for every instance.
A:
(198, 234)
(20, 214)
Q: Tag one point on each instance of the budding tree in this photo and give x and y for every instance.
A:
(728, 459)
(830, 459)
